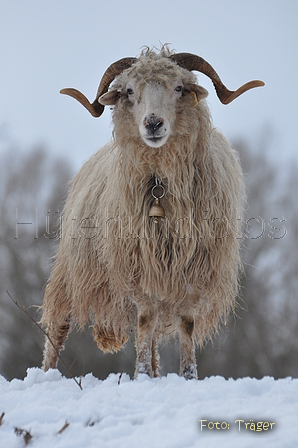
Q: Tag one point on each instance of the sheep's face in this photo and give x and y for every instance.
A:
(153, 109)
(152, 96)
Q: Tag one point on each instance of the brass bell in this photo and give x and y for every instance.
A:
(157, 211)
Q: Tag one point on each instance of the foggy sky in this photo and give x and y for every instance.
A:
(45, 46)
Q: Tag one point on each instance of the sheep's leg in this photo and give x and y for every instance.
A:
(188, 367)
(147, 318)
(57, 334)
(155, 358)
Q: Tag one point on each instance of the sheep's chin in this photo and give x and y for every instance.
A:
(156, 142)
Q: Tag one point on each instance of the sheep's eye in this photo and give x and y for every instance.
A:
(178, 89)
(129, 91)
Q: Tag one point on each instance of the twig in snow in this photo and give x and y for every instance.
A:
(74, 358)
(120, 376)
(66, 425)
(1, 418)
(90, 423)
(22, 432)
(22, 308)
(27, 437)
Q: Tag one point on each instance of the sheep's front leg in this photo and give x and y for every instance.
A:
(155, 357)
(57, 333)
(188, 366)
(147, 318)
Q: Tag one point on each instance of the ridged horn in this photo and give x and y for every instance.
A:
(194, 62)
(95, 108)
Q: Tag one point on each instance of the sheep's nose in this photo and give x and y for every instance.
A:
(152, 123)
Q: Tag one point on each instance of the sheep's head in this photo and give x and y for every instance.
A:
(152, 87)
(151, 93)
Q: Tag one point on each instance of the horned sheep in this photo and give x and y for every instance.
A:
(152, 222)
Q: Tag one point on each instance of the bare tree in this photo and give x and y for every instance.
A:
(32, 187)
(263, 339)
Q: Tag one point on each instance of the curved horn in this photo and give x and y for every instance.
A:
(194, 62)
(95, 108)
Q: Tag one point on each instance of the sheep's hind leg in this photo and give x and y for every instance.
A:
(57, 334)
(188, 367)
(147, 318)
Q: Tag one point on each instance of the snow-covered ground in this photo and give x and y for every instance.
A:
(157, 413)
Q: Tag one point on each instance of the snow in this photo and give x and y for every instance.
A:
(161, 413)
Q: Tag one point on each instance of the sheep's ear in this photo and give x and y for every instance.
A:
(199, 91)
(109, 98)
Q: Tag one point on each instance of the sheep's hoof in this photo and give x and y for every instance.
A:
(190, 373)
(142, 368)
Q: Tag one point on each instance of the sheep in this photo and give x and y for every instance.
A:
(152, 222)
